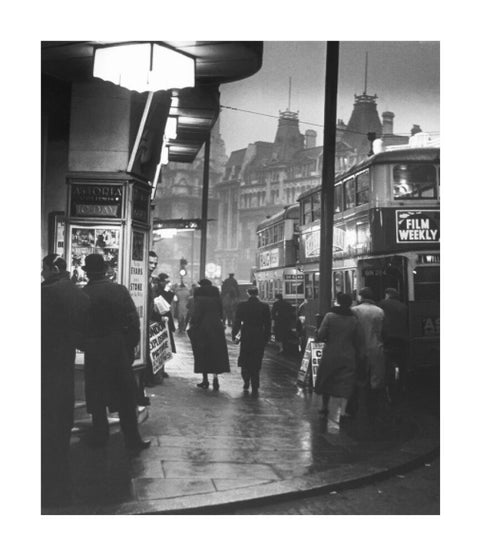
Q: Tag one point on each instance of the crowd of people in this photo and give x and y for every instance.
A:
(365, 346)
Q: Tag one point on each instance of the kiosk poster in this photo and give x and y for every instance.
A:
(160, 349)
(87, 240)
(306, 366)
(317, 352)
(137, 286)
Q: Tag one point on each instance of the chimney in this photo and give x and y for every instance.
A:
(387, 123)
(310, 138)
(415, 129)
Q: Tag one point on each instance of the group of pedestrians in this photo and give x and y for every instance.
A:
(365, 346)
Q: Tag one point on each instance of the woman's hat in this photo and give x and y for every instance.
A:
(94, 264)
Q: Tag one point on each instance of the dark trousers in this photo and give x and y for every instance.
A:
(127, 412)
(251, 375)
(57, 420)
(396, 355)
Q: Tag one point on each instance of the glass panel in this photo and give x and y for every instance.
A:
(316, 207)
(427, 283)
(349, 193)
(306, 211)
(338, 199)
(414, 181)
(363, 184)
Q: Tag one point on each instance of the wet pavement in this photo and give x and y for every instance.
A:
(215, 450)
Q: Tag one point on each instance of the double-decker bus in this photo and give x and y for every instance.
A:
(386, 234)
(276, 260)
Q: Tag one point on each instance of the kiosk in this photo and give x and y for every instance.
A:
(109, 214)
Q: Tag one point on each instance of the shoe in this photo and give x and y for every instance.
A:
(138, 445)
(165, 375)
(254, 392)
(203, 385)
(216, 385)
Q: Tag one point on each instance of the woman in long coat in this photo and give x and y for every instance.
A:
(207, 334)
(336, 378)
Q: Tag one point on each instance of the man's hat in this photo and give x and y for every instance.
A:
(94, 264)
(163, 277)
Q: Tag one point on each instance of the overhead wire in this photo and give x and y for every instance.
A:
(310, 123)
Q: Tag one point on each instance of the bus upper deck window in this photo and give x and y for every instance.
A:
(338, 199)
(414, 181)
(349, 193)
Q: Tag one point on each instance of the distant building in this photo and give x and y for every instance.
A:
(264, 177)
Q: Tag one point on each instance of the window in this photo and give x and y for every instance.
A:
(426, 281)
(338, 199)
(363, 184)
(349, 193)
(414, 181)
(316, 206)
(306, 211)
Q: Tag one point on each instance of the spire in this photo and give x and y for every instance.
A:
(366, 71)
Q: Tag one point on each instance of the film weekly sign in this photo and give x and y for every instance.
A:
(417, 226)
(96, 201)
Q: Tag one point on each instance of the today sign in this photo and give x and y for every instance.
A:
(418, 226)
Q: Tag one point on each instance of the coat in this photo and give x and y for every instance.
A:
(396, 319)
(207, 336)
(283, 316)
(252, 320)
(63, 319)
(371, 318)
(112, 334)
(337, 371)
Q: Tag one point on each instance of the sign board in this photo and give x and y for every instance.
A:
(305, 367)
(160, 348)
(418, 226)
(316, 353)
(96, 201)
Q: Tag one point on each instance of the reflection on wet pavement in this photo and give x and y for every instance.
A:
(207, 441)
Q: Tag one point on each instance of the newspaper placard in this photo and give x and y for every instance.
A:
(160, 348)
(306, 365)
(316, 353)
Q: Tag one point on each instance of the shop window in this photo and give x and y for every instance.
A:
(414, 181)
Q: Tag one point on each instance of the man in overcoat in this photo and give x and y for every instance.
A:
(230, 296)
(113, 331)
(252, 320)
(63, 316)
(371, 318)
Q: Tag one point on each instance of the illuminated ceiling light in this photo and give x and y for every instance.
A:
(171, 128)
(144, 67)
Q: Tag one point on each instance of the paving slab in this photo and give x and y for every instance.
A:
(213, 450)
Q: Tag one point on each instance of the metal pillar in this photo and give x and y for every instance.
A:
(328, 178)
(203, 240)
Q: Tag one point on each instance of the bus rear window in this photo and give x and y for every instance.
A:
(426, 280)
(414, 181)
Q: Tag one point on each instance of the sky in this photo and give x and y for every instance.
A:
(404, 75)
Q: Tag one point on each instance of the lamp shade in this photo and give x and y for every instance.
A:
(144, 67)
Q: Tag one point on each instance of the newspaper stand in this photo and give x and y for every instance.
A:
(307, 373)
(109, 214)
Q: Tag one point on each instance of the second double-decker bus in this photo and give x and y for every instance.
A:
(277, 251)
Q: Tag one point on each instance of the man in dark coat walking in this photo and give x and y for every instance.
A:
(395, 332)
(252, 320)
(113, 332)
(230, 297)
(283, 318)
(64, 308)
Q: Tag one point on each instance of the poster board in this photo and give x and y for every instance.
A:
(160, 347)
(305, 369)
(316, 355)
